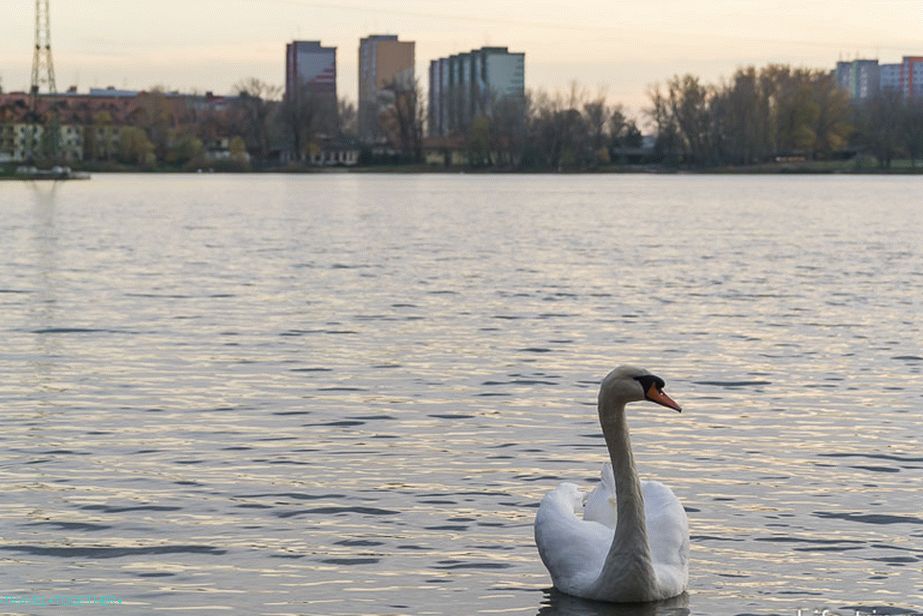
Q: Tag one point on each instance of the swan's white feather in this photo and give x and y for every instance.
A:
(573, 538)
(572, 549)
(600, 504)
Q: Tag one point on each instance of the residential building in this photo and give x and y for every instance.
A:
(865, 78)
(18, 141)
(912, 76)
(467, 85)
(89, 126)
(858, 77)
(384, 63)
(311, 79)
(889, 77)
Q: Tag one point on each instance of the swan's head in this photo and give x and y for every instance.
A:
(630, 384)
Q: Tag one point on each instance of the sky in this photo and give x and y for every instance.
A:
(618, 47)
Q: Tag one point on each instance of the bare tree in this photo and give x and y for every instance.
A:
(255, 108)
(597, 113)
(508, 129)
(880, 123)
(300, 114)
(348, 118)
(913, 129)
(403, 119)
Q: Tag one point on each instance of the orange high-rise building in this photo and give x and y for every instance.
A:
(385, 63)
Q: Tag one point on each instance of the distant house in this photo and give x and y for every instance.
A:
(338, 152)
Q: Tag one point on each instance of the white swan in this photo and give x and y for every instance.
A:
(632, 544)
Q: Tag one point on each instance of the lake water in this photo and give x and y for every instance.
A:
(346, 394)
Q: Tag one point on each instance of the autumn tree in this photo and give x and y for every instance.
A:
(156, 116)
(135, 148)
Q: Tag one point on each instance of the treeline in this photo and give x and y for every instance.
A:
(773, 114)
(779, 112)
(553, 132)
(757, 116)
(889, 127)
(164, 132)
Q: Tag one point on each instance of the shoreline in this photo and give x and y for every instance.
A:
(788, 169)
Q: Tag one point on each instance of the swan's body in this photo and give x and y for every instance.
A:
(628, 541)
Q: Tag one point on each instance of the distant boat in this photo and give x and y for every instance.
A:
(58, 172)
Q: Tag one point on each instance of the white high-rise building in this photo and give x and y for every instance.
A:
(466, 85)
(858, 77)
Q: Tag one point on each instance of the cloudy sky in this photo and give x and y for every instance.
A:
(619, 45)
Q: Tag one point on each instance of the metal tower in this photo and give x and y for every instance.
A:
(42, 66)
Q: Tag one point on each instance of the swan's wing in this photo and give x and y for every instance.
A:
(600, 504)
(572, 549)
(667, 535)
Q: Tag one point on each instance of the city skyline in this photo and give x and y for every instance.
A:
(620, 47)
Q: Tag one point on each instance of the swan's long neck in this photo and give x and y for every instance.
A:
(629, 557)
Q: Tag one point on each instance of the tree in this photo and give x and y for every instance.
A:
(254, 111)
(757, 114)
(348, 118)
(477, 142)
(683, 114)
(238, 151)
(134, 147)
(156, 115)
(913, 129)
(667, 146)
(186, 150)
(300, 114)
(831, 125)
(403, 119)
(99, 137)
(623, 130)
(507, 130)
(743, 117)
(880, 122)
(597, 114)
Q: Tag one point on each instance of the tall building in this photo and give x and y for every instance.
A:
(912, 76)
(889, 77)
(383, 61)
(311, 78)
(865, 78)
(859, 77)
(466, 85)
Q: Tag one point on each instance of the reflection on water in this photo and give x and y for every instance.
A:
(558, 604)
(347, 394)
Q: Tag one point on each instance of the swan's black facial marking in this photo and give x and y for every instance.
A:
(653, 391)
(649, 379)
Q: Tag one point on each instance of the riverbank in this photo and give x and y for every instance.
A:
(902, 167)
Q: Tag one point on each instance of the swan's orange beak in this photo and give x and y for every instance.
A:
(657, 395)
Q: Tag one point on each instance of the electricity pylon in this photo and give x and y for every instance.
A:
(42, 66)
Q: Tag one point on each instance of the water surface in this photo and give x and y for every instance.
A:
(346, 394)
